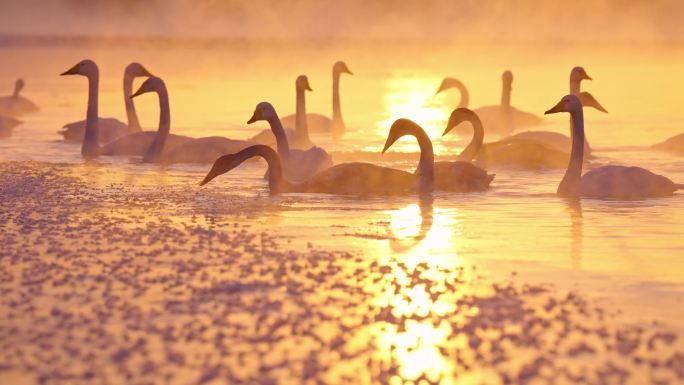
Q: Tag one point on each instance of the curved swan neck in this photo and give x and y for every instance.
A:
(131, 114)
(575, 85)
(276, 181)
(281, 138)
(465, 95)
(301, 126)
(570, 184)
(91, 140)
(153, 152)
(17, 88)
(473, 148)
(427, 157)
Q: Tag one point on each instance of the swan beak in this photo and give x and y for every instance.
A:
(308, 88)
(390, 141)
(221, 166)
(587, 77)
(448, 128)
(147, 73)
(557, 108)
(71, 71)
(600, 107)
(140, 91)
(256, 116)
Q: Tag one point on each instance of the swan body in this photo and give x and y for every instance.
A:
(7, 125)
(607, 182)
(15, 104)
(354, 178)
(299, 137)
(112, 128)
(319, 123)
(138, 143)
(519, 153)
(298, 165)
(674, 145)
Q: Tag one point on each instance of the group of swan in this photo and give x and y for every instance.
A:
(12, 107)
(298, 166)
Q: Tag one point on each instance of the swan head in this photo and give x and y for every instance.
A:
(85, 67)
(340, 67)
(137, 70)
(578, 74)
(399, 128)
(448, 83)
(18, 86)
(263, 111)
(459, 116)
(153, 84)
(302, 83)
(221, 166)
(588, 100)
(507, 79)
(569, 103)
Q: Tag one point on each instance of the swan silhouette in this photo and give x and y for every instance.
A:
(318, 123)
(132, 144)
(299, 137)
(16, 105)
(502, 118)
(520, 153)
(7, 125)
(298, 165)
(607, 182)
(558, 141)
(112, 128)
(354, 178)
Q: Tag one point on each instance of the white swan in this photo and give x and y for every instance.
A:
(299, 137)
(448, 83)
(16, 105)
(343, 179)
(504, 118)
(556, 140)
(318, 123)
(7, 125)
(523, 154)
(298, 165)
(132, 144)
(607, 182)
(112, 128)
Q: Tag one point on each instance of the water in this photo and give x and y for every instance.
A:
(623, 255)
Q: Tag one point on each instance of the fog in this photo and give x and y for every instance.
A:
(455, 21)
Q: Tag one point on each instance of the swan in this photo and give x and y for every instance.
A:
(674, 145)
(299, 137)
(16, 105)
(607, 182)
(318, 123)
(112, 128)
(504, 118)
(354, 178)
(298, 165)
(460, 176)
(525, 154)
(132, 144)
(7, 124)
(448, 83)
(556, 140)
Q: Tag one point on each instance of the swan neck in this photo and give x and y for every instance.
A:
(465, 95)
(575, 85)
(427, 160)
(506, 95)
(131, 114)
(276, 182)
(473, 148)
(569, 186)
(281, 138)
(17, 89)
(301, 126)
(154, 152)
(337, 121)
(91, 143)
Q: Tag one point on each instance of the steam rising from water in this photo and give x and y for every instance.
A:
(532, 20)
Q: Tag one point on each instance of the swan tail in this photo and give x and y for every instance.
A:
(679, 186)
